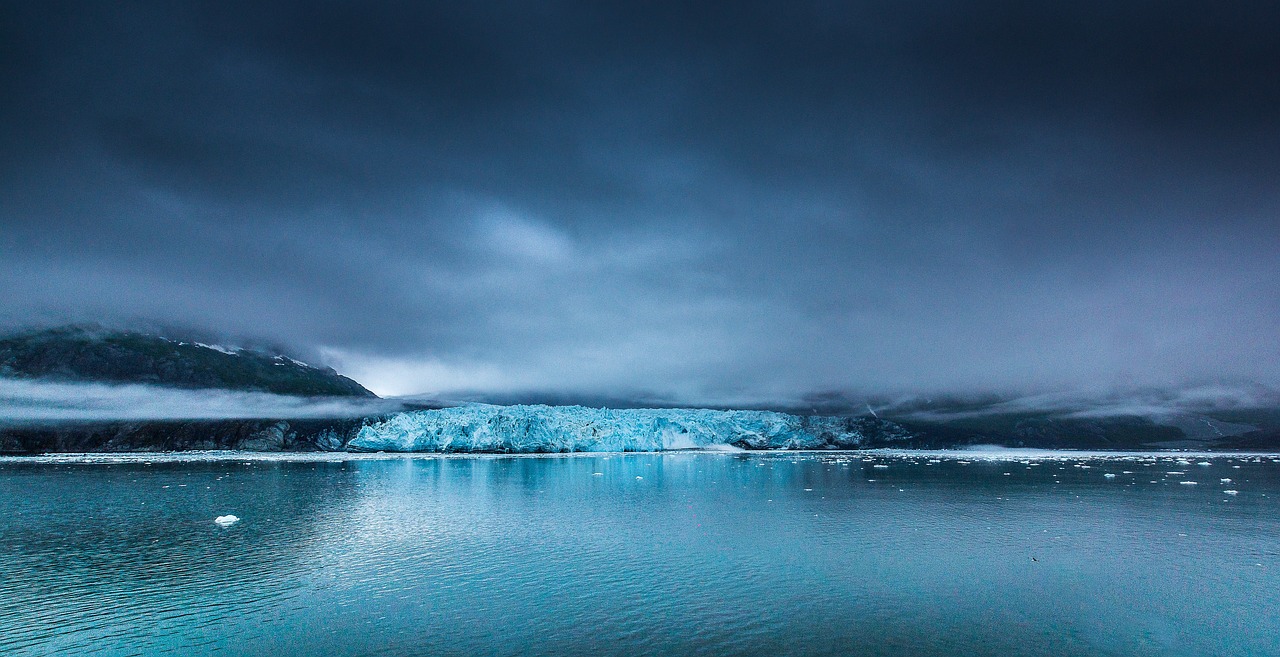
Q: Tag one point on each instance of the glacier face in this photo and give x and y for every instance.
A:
(542, 429)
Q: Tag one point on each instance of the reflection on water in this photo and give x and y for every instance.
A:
(679, 553)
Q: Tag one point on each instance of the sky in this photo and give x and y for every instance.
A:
(748, 201)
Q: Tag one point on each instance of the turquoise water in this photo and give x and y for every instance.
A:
(642, 554)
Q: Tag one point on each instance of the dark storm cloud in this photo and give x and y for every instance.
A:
(734, 203)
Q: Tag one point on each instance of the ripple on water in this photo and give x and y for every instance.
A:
(796, 553)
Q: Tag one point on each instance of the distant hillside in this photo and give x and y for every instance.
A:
(1244, 418)
(79, 353)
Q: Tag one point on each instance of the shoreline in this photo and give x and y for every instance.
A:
(984, 455)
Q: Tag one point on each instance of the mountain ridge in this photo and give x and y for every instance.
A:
(94, 354)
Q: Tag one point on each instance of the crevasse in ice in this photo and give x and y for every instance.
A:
(532, 429)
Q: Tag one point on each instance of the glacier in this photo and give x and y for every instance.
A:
(550, 429)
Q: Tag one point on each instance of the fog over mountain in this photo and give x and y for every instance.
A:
(739, 204)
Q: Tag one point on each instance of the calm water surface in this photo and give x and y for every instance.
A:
(678, 553)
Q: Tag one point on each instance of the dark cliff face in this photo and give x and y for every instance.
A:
(1114, 433)
(89, 354)
(168, 435)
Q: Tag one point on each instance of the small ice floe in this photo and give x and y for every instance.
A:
(225, 521)
(1231, 492)
(1110, 475)
(1189, 483)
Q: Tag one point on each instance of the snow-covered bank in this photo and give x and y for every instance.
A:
(879, 455)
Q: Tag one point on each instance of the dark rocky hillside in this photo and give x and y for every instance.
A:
(81, 353)
(172, 435)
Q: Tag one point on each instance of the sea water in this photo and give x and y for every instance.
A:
(816, 553)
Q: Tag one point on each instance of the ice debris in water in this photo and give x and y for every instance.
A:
(225, 521)
(538, 428)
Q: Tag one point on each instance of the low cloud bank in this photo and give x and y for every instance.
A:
(31, 402)
(1154, 404)
(25, 402)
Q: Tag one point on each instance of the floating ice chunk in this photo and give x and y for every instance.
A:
(225, 521)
